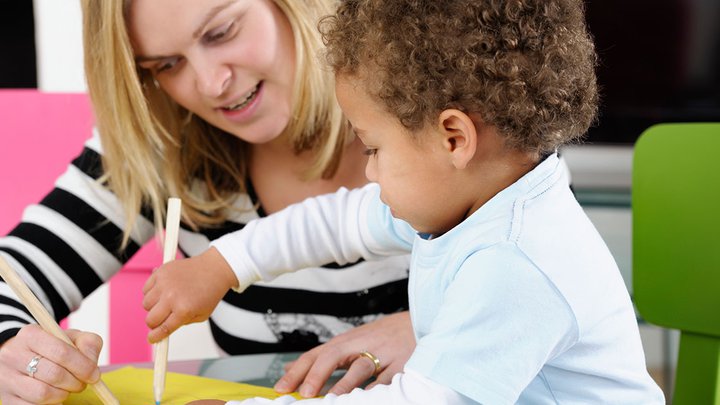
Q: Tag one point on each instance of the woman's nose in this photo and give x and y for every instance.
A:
(212, 79)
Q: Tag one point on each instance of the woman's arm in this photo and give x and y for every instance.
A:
(68, 244)
(64, 248)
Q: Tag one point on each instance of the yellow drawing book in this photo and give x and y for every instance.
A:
(134, 386)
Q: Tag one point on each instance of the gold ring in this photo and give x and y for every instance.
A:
(375, 360)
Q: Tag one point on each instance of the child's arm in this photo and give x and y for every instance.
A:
(340, 227)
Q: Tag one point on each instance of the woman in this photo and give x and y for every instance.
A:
(222, 104)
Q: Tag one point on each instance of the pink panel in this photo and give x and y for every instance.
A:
(128, 333)
(40, 133)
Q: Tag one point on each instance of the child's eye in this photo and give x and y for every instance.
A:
(221, 33)
(370, 151)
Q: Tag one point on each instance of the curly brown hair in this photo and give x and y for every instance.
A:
(526, 66)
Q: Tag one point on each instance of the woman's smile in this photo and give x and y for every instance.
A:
(244, 109)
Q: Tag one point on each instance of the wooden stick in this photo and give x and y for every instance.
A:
(47, 322)
(172, 228)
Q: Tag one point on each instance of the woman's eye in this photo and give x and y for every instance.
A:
(370, 151)
(165, 66)
(220, 33)
(161, 65)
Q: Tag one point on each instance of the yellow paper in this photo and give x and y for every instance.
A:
(134, 386)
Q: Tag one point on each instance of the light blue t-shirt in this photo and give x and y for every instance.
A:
(522, 302)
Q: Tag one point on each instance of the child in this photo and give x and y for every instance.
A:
(462, 105)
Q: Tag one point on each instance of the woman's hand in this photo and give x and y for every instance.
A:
(390, 339)
(185, 291)
(61, 369)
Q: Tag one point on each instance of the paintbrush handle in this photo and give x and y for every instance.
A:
(172, 229)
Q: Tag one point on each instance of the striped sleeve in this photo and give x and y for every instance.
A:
(68, 244)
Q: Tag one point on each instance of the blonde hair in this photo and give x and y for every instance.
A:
(154, 149)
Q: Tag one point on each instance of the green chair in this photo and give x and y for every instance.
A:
(676, 248)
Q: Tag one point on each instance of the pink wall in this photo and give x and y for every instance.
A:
(39, 136)
(40, 133)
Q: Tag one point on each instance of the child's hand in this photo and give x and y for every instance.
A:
(185, 291)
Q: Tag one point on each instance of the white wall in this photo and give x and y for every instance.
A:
(58, 36)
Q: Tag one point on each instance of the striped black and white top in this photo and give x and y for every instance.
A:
(68, 245)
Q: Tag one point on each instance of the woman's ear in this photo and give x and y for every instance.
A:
(459, 136)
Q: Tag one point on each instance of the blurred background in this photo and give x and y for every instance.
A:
(659, 61)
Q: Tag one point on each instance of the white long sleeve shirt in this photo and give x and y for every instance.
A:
(408, 388)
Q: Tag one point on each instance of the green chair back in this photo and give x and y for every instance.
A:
(676, 248)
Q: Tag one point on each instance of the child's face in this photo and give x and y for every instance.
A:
(411, 168)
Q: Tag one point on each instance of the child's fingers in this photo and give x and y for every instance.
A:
(164, 329)
(151, 299)
(149, 284)
(157, 314)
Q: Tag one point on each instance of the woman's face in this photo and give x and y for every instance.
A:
(231, 62)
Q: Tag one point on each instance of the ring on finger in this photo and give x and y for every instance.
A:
(32, 366)
(374, 359)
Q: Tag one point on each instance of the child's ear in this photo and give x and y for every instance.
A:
(459, 136)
